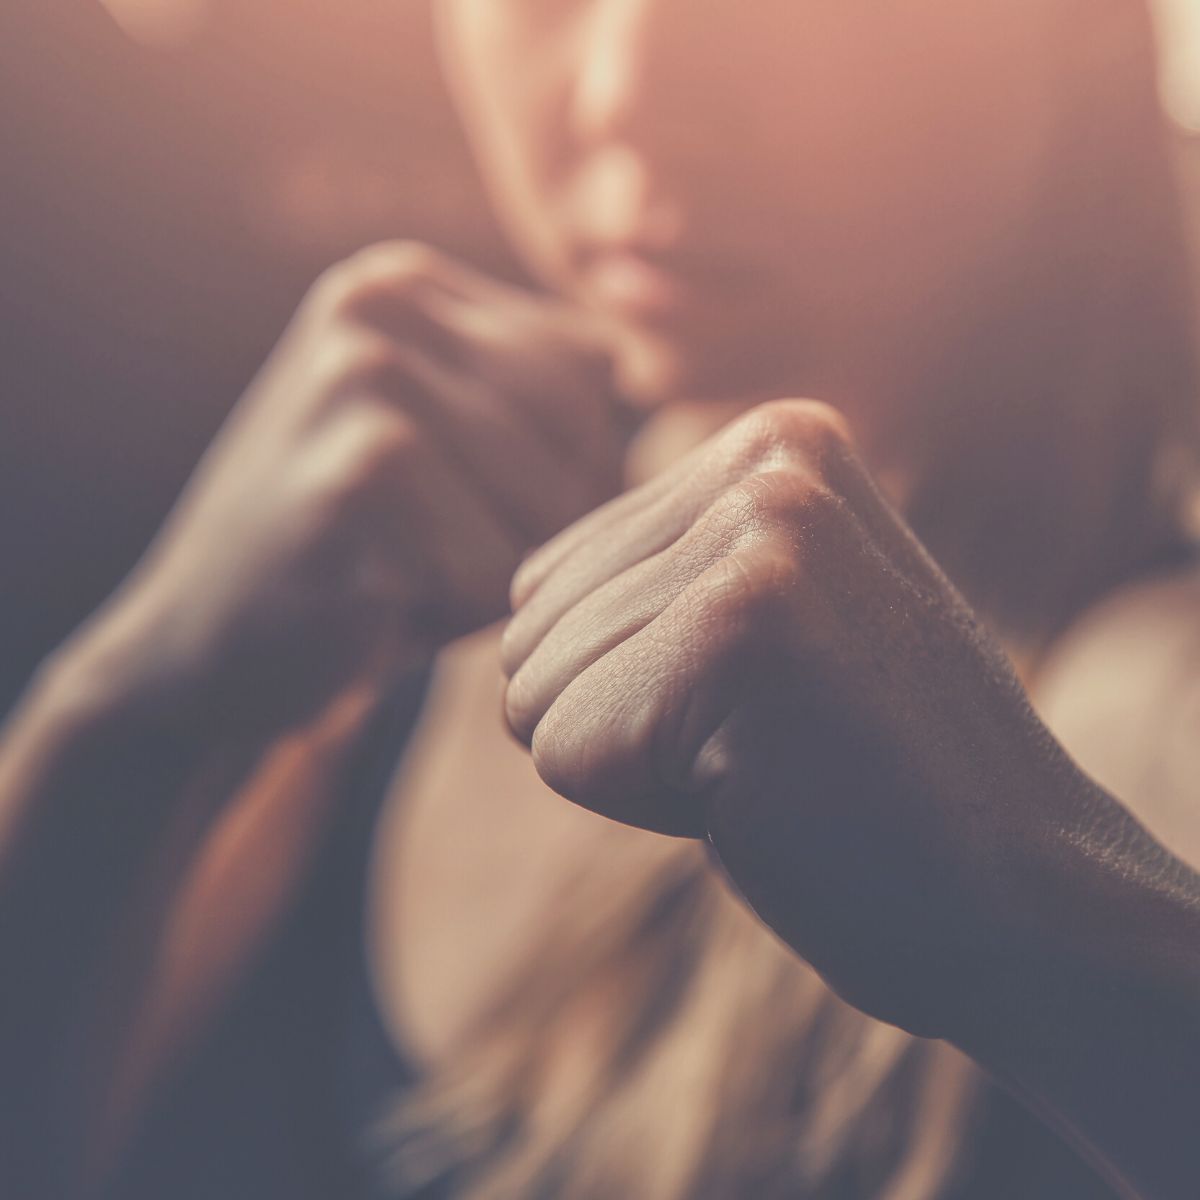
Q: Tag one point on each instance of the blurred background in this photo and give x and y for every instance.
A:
(174, 174)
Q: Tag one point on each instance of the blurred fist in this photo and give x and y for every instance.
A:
(756, 650)
(416, 431)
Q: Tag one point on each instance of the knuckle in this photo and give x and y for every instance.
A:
(788, 500)
(752, 438)
(335, 289)
(332, 365)
(372, 459)
(809, 422)
(356, 363)
(781, 430)
(824, 439)
(763, 496)
(400, 263)
(373, 364)
(754, 584)
(741, 504)
(349, 289)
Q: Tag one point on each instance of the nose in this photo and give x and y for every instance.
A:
(617, 64)
(649, 92)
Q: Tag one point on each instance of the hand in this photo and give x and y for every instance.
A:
(755, 649)
(417, 430)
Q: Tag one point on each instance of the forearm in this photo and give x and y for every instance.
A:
(104, 791)
(1092, 1014)
(1042, 930)
(92, 778)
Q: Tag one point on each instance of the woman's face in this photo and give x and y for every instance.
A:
(757, 194)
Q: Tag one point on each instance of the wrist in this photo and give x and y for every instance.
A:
(1096, 922)
(1092, 1013)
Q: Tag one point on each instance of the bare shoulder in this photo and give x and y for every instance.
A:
(1121, 690)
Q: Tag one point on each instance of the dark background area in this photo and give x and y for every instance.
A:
(162, 210)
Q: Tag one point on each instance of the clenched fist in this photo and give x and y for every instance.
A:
(417, 430)
(756, 650)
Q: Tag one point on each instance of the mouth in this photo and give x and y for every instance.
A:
(633, 283)
(652, 285)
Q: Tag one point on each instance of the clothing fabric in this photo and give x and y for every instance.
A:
(279, 1100)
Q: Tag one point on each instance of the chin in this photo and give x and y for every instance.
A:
(653, 372)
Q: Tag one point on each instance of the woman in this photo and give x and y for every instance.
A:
(955, 226)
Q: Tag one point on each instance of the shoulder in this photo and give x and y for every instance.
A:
(1126, 651)
(1121, 690)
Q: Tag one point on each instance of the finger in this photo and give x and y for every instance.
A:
(617, 547)
(442, 541)
(391, 289)
(608, 542)
(470, 349)
(506, 457)
(795, 432)
(603, 619)
(588, 532)
(552, 363)
(576, 394)
(392, 266)
(554, 360)
(454, 275)
(625, 736)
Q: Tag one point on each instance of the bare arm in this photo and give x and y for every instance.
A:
(1092, 1007)
(755, 650)
(1122, 693)
(104, 798)
(418, 428)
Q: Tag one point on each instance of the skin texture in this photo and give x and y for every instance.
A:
(755, 650)
(819, 200)
(373, 494)
(846, 185)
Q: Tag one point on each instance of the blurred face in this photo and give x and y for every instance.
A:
(758, 194)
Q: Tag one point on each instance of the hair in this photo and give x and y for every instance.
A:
(1071, 464)
(657, 1042)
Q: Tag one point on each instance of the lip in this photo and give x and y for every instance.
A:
(633, 282)
(652, 283)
